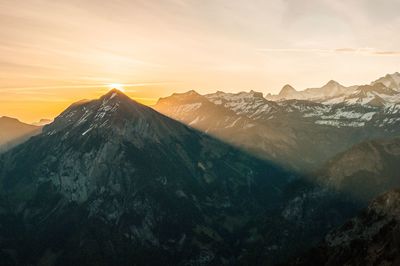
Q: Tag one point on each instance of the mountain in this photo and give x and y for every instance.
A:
(330, 90)
(14, 132)
(371, 238)
(197, 111)
(373, 95)
(365, 170)
(342, 188)
(390, 80)
(385, 89)
(313, 207)
(287, 92)
(42, 122)
(113, 182)
(227, 117)
(280, 130)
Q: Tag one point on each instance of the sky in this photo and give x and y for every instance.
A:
(54, 52)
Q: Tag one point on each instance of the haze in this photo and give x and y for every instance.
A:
(56, 52)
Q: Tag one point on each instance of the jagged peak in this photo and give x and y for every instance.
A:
(190, 96)
(388, 78)
(378, 87)
(187, 93)
(245, 94)
(251, 93)
(332, 83)
(287, 90)
(392, 75)
(257, 93)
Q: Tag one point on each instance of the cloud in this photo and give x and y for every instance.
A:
(368, 51)
(356, 51)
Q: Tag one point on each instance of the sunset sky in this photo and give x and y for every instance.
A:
(54, 52)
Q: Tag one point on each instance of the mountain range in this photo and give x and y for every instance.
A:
(215, 179)
(14, 132)
(280, 130)
(113, 182)
(386, 88)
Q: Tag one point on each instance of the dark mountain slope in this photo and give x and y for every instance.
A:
(311, 208)
(371, 238)
(112, 182)
(365, 170)
(356, 177)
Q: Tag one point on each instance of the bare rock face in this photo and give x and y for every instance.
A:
(371, 238)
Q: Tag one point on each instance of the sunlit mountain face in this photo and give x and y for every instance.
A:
(199, 133)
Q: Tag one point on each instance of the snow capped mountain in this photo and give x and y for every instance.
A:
(330, 90)
(251, 104)
(385, 90)
(375, 95)
(199, 112)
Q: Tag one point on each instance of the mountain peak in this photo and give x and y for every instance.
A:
(287, 90)
(332, 83)
(256, 94)
(7, 118)
(189, 93)
(390, 80)
(115, 93)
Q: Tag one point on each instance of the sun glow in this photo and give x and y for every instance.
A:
(116, 86)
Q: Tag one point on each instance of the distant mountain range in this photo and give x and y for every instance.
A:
(14, 132)
(297, 133)
(383, 91)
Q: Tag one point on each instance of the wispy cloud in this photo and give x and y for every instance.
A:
(357, 51)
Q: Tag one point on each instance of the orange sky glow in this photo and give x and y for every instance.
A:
(53, 53)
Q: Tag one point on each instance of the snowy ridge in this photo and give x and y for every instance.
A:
(384, 90)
